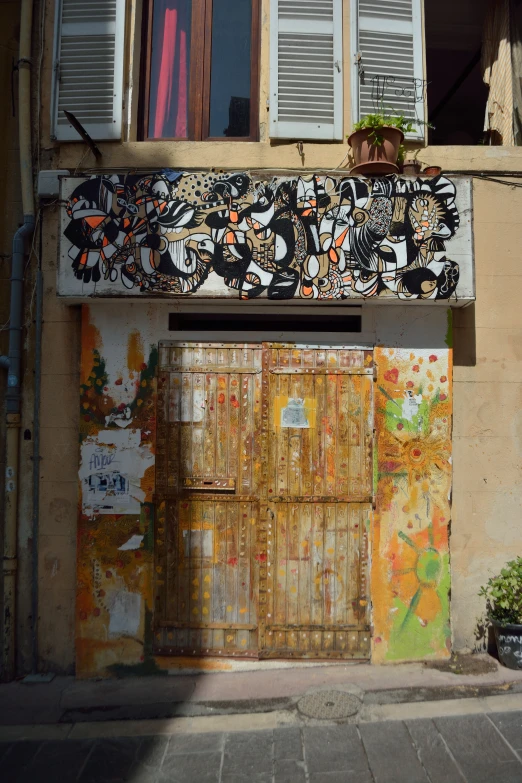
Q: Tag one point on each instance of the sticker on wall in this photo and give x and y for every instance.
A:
(411, 404)
(294, 412)
(295, 415)
(112, 466)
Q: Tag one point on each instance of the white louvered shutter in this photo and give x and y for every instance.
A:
(88, 67)
(306, 69)
(388, 70)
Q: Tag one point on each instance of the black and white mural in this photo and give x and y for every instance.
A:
(311, 237)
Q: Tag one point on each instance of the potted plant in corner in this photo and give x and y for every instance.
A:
(503, 594)
(376, 141)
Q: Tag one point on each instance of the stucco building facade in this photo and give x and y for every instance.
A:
(280, 406)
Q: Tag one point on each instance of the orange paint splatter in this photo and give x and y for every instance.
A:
(91, 340)
(135, 356)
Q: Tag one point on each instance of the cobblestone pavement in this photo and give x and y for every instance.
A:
(476, 748)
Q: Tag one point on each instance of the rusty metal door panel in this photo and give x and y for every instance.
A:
(208, 484)
(314, 590)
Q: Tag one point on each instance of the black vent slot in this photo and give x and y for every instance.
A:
(269, 322)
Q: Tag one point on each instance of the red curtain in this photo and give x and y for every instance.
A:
(170, 68)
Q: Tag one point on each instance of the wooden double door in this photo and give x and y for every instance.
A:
(263, 501)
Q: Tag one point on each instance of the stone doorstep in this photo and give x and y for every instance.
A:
(258, 721)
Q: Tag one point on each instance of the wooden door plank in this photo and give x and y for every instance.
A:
(331, 437)
(186, 425)
(221, 426)
(305, 576)
(330, 565)
(292, 568)
(319, 465)
(247, 431)
(343, 435)
(244, 558)
(231, 570)
(232, 402)
(217, 583)
(209, 425)
(280, 566)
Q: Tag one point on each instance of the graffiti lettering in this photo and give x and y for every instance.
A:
(99, 460)
(509, 639)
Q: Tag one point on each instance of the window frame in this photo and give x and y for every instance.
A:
(199, 74)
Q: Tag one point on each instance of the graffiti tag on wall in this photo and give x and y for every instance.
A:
(315, 237)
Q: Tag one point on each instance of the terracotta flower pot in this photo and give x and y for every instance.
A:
(411, 168)
(432, 171)
(375, 159)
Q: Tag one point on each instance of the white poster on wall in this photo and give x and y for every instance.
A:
(112, 465)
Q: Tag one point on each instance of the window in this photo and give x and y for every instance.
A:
(388, 70)
(306, 69)
(457, 94)
(88, 61)
(201, 69)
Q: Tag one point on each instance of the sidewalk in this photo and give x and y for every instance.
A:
(475, 740)
(257, 687)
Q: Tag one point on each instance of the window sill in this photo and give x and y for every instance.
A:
(245, 155)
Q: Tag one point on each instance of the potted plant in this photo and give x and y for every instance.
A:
(503, 594)
(376, 141)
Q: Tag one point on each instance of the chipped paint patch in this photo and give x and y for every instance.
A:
(124, 611)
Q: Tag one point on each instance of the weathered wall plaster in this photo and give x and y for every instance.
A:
(487, 448)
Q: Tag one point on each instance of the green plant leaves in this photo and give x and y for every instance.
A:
(503, 594)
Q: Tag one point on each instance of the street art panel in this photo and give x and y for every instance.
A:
(311, 237)
(410, 563)
(116, 519)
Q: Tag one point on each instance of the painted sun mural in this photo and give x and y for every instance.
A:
(311, 237)
(410, 571)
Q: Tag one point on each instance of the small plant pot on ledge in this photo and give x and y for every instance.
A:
(375, 159)
(509, 644)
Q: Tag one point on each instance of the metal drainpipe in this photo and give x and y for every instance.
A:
(36, 458)
(13, 360)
